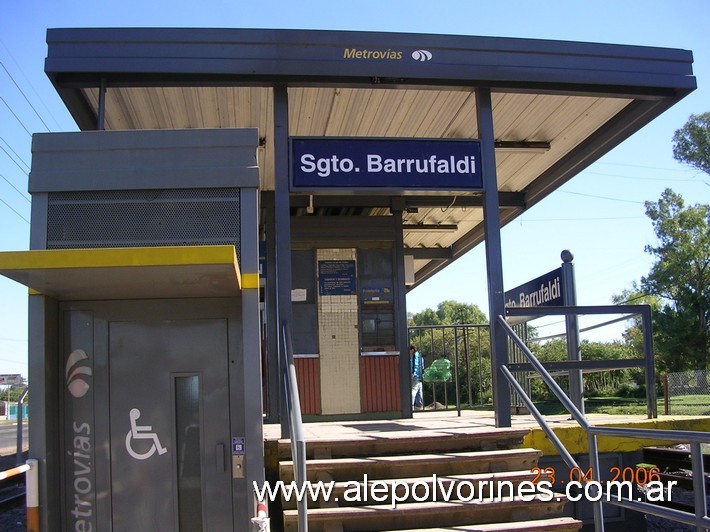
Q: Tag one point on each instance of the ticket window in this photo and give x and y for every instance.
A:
(378, 328)
(377, 317)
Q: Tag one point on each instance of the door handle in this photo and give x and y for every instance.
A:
(220, 461)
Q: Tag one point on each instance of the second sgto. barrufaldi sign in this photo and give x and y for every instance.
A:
(385, 164)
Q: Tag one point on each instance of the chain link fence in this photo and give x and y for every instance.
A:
(687, 393)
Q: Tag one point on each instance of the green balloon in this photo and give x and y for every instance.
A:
(439, 371)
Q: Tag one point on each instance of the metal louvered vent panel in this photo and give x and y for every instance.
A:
(126, 218)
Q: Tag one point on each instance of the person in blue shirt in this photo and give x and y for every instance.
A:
(416, 362)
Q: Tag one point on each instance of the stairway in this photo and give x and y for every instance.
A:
(414, 463)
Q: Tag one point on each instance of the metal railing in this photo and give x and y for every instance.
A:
(463, 346)
(31, 493)
(295, 423)
(599, 365)
(699, 519)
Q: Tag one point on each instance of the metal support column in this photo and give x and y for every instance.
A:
(494, 260)
(282, 223)
(247, 388)
(401, 335)
(574, 351)
(272, 333)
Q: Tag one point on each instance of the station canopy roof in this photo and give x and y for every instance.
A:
(557, 106)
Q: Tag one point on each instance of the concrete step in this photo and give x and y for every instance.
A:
(477, 485)
(403, 442)
(399, 466)
(555, 524)
(424, 515)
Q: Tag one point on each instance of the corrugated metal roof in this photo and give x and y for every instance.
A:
(581, 99)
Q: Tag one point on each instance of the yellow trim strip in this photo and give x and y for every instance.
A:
(125, 273)
(117, 257)
(250, 280)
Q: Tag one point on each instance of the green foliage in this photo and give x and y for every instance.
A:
(450, 313)
(633, 335)
(11, 393)
(691, 143)
(681, 277)
(625, 383)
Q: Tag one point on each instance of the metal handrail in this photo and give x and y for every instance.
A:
(293, 411)
(17, 470)
(628, 310)
(700, 519)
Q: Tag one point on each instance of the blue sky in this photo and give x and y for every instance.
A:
(599, 215)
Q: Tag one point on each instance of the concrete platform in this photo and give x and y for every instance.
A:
(448, 423)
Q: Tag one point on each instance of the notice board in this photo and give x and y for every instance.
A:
(336, 277)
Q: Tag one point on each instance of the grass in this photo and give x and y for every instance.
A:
(686, 405)
(599, 405)
(690, 405)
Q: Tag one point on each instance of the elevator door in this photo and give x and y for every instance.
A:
(169, 425)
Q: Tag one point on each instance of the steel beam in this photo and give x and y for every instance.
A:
(494, 258)
(506, 200)
(282, 222)
(429, 253)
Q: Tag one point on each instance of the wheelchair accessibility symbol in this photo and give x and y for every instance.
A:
(142, 432)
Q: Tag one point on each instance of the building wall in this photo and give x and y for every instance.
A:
(339, 345)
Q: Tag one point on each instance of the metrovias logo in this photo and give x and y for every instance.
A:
(422, 55)
(77, 372)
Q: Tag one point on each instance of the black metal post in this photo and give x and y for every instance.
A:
(651, 399)
(480, 368)
(401, 334)
(456, 370)
(274, 366)
(494, 259)
(574, 351)
(282, 223)
(468, 366)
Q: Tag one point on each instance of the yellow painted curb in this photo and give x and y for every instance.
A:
(575, 439)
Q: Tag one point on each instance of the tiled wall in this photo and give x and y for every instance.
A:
(338, 339)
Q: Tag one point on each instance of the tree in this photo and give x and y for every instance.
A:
(678, 285)
(450, 313)
(12, 393)
(681, 277)
(691, 143)
(633, 335)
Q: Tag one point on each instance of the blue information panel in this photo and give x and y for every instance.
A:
(336, 277)
(399, 164)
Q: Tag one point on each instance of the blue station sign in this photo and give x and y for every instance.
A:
(386, 164)
(544, 291)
